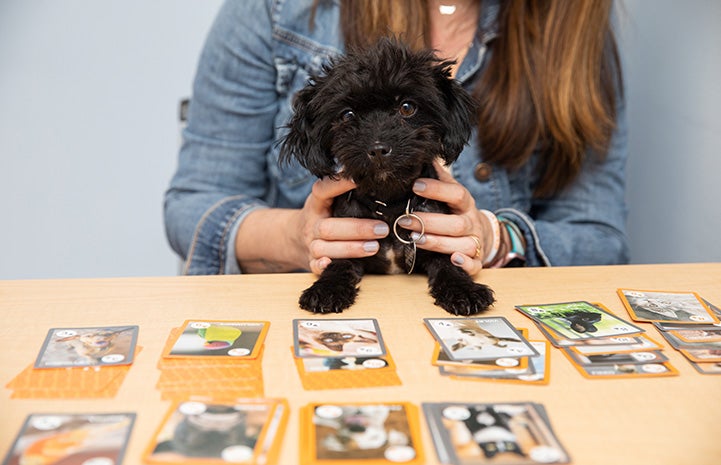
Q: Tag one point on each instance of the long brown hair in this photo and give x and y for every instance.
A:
(550, 84)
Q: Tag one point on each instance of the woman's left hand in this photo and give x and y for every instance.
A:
(465, 234)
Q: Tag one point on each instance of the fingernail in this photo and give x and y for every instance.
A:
(458, 259)
(323, 263)
(419, 186)
(418, 238)
(405, 221)
(381, 230)
(371, 246)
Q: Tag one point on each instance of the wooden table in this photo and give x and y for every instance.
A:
(634, 421)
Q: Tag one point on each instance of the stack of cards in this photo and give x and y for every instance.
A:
(598, 343)
(689, 323)
(360, 433)
(341, 354)
(79, 363)
(487, 348)
(210, 432)
(500, 433)
(72, 438)
(219, 359)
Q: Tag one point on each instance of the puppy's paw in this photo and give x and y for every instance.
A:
(462, 298)
(328, 297)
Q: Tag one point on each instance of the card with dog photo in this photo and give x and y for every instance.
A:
(217, 339)
(501, 433)
(320, 373)
(361, 433)
(213, 431)
(72, 438)
(333, 338)
(485, 338)
(664, 306)
(579, 320)
(84, 347)
(627, 370)
(441, 358)
(558, 341)
(644, 343)
(537, 372)
(617, 358)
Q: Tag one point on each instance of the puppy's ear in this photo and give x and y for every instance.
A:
(304, 140)
(461, 112)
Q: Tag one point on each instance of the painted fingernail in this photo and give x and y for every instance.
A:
(419, 186)
(458, 259)
(371, 246)
(381, 230)
(418, 238)
(405, 221)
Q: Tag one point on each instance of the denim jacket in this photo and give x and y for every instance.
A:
(258, 54)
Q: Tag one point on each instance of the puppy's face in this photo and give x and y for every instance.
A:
(379, 115)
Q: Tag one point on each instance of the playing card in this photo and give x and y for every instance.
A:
(72, 438)
(663, 306)
(218, 339)
(641, 343)
(579, 320)
(620, 358)
(360, 433)
(707, 368)
(337, 338)
(627, 370)
(702, 354)
(214, 431)
(500, 433)
(319, 373)
(700, 334)
(88, 347)
(485, 338)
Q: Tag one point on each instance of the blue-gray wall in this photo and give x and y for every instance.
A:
(88, 131)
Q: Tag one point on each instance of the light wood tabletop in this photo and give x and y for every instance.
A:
(671, 420)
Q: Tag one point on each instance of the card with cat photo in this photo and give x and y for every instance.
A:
(360, 433)
(337, 338)
(220, 431)
(440, 358)
(484, 338)
(579, 320)
(666, 306)
(88, 347)
(493, 433)
(72, 438)
(217, 339)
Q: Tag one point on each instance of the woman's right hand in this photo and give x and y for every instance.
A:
(323, 237)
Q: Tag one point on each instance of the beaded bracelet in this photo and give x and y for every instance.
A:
(516, 255)
(496, 229)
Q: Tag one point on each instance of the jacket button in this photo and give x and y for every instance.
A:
(482, 172)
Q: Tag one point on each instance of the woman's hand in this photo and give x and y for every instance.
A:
(465, 234)
(323, 237)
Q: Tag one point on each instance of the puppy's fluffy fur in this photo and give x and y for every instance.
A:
(379, 116)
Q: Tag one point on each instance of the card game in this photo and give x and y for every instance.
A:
(485, 338)
(218, 339)
(578, 320)
(88, 347)
(97, 438)
(337, 338)
(501, 433)
(661, 306)
(360, 433)
(232, 431)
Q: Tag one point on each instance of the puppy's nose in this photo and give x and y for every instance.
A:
(379, 149)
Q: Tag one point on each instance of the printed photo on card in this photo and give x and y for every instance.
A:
(84, 347)
(627, 370)
(218, 339)
(673, 307)
(640, 343)
(579, 320)
(700, 334)
(504, 433)
(707, 368)
(620, 358)
(485, 338)
(228, 431)
(337, 338)
(364, 433)
(355, 364)
(72, 438)
(702, 354)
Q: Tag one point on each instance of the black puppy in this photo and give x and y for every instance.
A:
(379, 116)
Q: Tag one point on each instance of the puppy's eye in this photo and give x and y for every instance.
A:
(407, 109)
(347, 115)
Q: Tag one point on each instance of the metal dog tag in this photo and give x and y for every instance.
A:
(410, 258)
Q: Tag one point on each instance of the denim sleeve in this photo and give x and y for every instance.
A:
(586, 223)
(221, 174)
